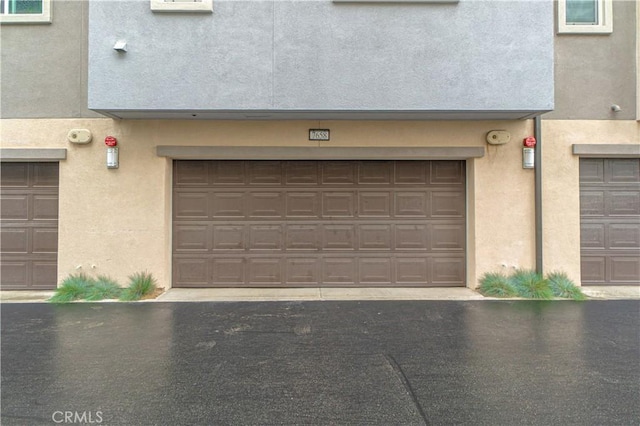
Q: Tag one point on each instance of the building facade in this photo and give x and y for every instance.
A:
(337, 143)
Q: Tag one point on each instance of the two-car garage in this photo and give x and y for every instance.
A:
(318, 223)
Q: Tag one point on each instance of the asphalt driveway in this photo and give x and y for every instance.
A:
(327, 363)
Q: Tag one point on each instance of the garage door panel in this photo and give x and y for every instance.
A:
(447, 272)
(45, 207)
(302, 237)
(338, 204)
(229, 237)
(28, 226)
(592, 235)
(624, 269)
(592, 170)
(624, 170)
(624, 236)
(317, 223)
(446, 172)
(228, 205)
(375, 237)
(336, 270)
(302, 173)
(191, 205)
(375, 271)
(302, 271)
(264, 172)
(265, 205)
(624, 203)
(411, 204)
(265, 271)
(447, 204)
(190, 238)
(266, 237)
(14, 240)
(14, 175)
(592, 203)
(374, 204)
(192, 173)
(339, 237)
(610, 221)
(338, 172)
(14, 207)
(303, 204)
(44, 240)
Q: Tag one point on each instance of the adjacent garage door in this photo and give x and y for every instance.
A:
(318, 223)
(29, 229)
(610, 221)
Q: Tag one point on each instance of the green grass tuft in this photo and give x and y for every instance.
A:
(72, 288)
(140, 284)
(531, 285)
(562, 286)
(103, 288)
(496, 285)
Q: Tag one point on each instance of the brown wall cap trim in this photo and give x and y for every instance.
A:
(37, 154)
(607, 151)
(313, 153)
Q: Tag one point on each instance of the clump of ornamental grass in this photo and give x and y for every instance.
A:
(104, 287)
(562, 286)
(496, 284)
(530, 284)
(140, 284)
(74, 287)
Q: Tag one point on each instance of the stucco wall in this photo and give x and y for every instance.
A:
(320, 55)
(561, 184)
(44, 66)
(119, 220)
(594, 71)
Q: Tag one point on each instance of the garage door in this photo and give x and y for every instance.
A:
(610, 221)
(29, 229)
(318, 223)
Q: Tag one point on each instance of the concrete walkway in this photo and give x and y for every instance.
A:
(299, 294)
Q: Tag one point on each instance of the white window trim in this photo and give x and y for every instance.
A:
(604, 25)
(201, 6)
(29, 18)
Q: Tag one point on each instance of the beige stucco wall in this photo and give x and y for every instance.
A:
(561, 184)
(120, 220)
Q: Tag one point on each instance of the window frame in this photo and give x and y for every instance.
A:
(604, 25)
(28, 18)
(201, 6)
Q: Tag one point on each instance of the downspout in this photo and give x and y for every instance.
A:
(537, 132)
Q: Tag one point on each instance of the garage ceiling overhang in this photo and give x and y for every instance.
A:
(318, 114)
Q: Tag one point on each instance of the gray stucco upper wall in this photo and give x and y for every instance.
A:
(594, 71)
(319, 55)
(44, 66)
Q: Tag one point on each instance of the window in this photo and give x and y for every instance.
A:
(198, 6)
(25, 11)
(585, 16)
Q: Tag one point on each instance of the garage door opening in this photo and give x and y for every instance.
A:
(29, 229)
(318, 223)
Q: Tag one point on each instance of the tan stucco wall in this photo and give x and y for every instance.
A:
(561, 184)
(119, 220)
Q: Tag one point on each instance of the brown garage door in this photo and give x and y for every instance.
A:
(318, 223)
(29, 230)
(610, 221)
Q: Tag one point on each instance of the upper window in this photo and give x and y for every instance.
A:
(25, 11)
(205, 6)
(585, 16)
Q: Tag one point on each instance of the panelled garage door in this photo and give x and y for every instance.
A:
(318, 223)
(29, 229)
(610, 221)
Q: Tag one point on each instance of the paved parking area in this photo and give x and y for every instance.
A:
(325, 362)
